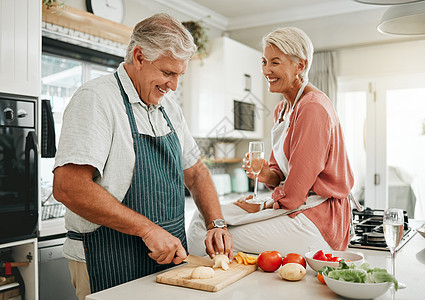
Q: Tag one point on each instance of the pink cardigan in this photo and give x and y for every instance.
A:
(317, 161)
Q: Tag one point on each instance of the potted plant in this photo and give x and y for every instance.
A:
(198, 31)
(54, 3)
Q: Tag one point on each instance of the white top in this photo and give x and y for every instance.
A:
(96, 132)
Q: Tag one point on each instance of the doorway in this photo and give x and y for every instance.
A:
(384, 126)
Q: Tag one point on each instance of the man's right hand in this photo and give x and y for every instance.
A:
(165, 248)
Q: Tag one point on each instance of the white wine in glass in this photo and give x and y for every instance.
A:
(393, 222)
(256, 159)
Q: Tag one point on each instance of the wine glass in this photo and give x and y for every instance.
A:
(393, 222)
(256, 159)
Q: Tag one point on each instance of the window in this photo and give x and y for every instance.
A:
(61, 77)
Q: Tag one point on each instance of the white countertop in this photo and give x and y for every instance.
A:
(52, 227)
(410, 269)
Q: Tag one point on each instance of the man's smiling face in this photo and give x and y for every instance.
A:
(154, 79)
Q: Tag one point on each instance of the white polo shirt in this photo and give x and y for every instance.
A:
(96, 132)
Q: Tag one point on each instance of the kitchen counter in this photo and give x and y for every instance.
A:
(52, 227)
(410, 269)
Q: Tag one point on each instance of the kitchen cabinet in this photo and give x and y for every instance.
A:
(20, 47)
(210, 87)
(22, 251)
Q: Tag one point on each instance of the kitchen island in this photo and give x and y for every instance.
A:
(410, 269)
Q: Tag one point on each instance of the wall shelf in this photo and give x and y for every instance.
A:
(86, 22)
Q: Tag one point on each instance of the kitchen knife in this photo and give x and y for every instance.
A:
(198, 260)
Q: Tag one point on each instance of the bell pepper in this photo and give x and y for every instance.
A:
(319, 255)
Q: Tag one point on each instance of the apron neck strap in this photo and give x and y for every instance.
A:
(297, 97)
(300, 92)
(130, 111)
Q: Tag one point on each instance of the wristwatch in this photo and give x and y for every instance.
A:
(217, 223)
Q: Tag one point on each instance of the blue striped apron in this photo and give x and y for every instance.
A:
(157, 192)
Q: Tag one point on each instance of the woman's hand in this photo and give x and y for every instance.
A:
(266, 174)
(253, 207)
(248, 207)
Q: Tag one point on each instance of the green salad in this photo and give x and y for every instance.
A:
(361, 274)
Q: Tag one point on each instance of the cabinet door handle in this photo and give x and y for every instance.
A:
(247, 82)
(17, 264)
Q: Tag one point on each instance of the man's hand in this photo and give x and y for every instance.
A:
(219, 241)
(165, 247)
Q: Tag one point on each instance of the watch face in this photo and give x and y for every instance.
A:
(219, 223)
(109, 9)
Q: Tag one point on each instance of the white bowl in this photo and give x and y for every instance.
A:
(355, 290)
(421, 231)
(349, 257)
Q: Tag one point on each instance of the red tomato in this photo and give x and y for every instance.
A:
(294, 258)
(269, 261)
(319, 255)
(320, 277)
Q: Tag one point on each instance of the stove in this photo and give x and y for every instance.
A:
(369, 233)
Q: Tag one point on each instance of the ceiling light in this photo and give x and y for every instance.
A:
(405, 19)
(387, 2)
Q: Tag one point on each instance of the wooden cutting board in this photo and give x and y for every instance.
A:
(180, 276)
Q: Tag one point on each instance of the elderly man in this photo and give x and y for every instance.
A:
(124, 156)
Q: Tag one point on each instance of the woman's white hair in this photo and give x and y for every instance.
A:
(161, 35)
(293, 42)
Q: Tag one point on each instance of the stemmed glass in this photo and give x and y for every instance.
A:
(393, 222)
(256, 158)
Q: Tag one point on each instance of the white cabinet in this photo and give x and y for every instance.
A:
(231, 72)
(20, 47)
(25, 251)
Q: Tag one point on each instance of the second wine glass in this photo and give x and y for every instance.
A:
(393, 222)
(256, 159)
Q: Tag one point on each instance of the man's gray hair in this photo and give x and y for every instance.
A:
(161, 35)
(293, 42)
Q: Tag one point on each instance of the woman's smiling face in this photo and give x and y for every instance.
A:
(279, 70)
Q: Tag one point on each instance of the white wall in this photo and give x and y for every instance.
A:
(382, 60)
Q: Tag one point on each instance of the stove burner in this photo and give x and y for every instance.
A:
(369, 231)
(374, 237)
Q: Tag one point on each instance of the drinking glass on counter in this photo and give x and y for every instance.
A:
(256, 159)
(393, 222)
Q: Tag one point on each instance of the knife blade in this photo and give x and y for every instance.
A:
(198, 260)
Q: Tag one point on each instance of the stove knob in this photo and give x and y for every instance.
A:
(9, 114)
(22, 113)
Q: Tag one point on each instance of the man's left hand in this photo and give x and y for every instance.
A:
(219, 241)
